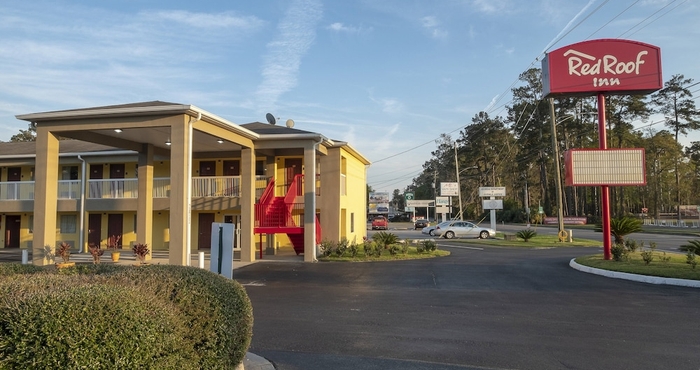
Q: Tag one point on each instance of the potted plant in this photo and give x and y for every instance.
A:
(64, 251)
(141, 251)
(96, 253)
(114, 245)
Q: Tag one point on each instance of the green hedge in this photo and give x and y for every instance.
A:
(165, 317)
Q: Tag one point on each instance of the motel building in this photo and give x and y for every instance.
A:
(162, 173)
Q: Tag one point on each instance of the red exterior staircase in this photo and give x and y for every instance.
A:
(273, 215)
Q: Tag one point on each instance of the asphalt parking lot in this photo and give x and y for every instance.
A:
(496, 308)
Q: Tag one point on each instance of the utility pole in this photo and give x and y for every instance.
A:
(557, 170)
(459, 187)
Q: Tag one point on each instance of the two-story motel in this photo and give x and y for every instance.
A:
(161, 173)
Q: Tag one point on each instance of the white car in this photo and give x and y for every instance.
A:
(430, 230)
(456, 229)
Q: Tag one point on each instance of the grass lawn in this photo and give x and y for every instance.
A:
(539, 241)
(675, 267)
(412, 254)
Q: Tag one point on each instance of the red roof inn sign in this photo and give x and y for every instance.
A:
(609, 66)
(602, 67)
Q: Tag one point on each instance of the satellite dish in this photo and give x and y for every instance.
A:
(270, 119)
(290, 123)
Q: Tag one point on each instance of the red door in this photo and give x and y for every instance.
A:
(293, 168)
(232, 168)
(96, 186)
(115, 226)
(95, 229)
(13, 174)
(12, 227)
(207, 168)
(204, 238)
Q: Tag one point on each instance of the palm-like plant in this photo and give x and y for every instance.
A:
(526, 234)
(693, 246)
(385, 239)
(623, 226)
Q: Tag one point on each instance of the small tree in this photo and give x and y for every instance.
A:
(623, 226)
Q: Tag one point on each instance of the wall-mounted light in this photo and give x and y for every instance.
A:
(220, 141)
(168, 142)
(117, 130)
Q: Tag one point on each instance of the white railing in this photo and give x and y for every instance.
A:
(214, 186)
(68, 189)
(112, 188)
(161, 187)
(17, 190)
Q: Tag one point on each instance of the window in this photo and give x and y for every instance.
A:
(259, 168)
(68, 224)
(69, 173)
(352, 222)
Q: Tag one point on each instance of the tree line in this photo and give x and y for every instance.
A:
(517, 152)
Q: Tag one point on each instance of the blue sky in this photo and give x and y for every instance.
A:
(386, 76)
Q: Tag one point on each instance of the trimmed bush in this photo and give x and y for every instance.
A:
(209, 315)
(87, 325)
(217, 309)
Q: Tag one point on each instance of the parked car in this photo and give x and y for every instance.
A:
(420, 223)
(430, 230)
(380, 223)
(457, 229)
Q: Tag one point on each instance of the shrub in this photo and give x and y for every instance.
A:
(619, 252)
(354, 249)
(141, 251)
(693, 246)
(64, 251)
(404, 247)
(341, 247)
(394, 249)
(368, 247)
(385, 239)
(218, 308)
(326, 247)
(623, 226)
(526, 234)
(631, 245)
(690, 259)
(647, 256)
(429, 245)
(89, 326)
(210, 325)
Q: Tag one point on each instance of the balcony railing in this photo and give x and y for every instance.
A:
(202, 187)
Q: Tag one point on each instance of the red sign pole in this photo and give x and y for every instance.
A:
(604, 193)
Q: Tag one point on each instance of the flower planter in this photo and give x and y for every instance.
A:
(62, 265)
(115, 256)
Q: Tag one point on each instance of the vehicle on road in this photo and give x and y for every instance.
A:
(420, 223)
(380, 223)
(466, 229)
(430, 230)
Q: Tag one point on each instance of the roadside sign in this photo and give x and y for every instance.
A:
(492, 191)
(408, 196)
(442, 201)
(443, 209)
(420, 203)
(449, 189)
(492, 203)
(408, 209)
(540, 210)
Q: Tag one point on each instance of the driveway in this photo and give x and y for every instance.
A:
(496, 308)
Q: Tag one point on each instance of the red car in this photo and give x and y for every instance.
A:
(380, 223)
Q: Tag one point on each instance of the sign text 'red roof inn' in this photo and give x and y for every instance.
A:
(610, 66)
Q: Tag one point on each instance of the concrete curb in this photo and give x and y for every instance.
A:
(254, 362)
(634, 277)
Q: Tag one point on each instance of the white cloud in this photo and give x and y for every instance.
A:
(432, 24)
(340, 27)
(209, 20)
(281, 64)
(491, 6)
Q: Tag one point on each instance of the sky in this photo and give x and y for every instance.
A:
(388, 77)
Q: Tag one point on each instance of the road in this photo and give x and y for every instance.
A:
(665, 242)
(490, 308)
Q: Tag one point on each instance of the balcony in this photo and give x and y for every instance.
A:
(202, 187)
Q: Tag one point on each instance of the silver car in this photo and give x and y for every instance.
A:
(456, 229)
(430, 230)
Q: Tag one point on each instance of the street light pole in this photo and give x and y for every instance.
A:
(459, 186)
